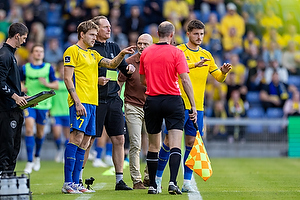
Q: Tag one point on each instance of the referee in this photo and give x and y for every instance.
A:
(160, 65)
(11, 120)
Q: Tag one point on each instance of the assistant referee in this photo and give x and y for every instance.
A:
(11, 120)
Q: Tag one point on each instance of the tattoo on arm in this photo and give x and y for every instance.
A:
(104, 62)
(71, 90)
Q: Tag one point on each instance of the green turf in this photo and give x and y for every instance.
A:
(233, 179)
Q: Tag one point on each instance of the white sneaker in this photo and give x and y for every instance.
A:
(69, 188)
(92, 155)
(158, 183)
(28, 167)
(108, 160)
(59, 156)
(99, 163)
(36, 164)
(81, 188)
(187, 187)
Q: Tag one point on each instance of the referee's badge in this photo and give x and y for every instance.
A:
(13, 124)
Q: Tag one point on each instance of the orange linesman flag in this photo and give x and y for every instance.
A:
(198, 160)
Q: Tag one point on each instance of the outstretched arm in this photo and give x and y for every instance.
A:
(114, 63)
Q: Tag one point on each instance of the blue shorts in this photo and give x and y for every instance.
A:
(40, 116)
(85, 124)
(189, 128)
(61, 120)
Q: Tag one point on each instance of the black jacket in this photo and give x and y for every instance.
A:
(109, 50)
(9, 77)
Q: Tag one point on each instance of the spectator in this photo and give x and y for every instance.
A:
(236, 110)
(292, 106)
(4, 24)
(256, 76)
(272, 53)
(153, 32)
(207, 6)
(292, 35)
(115, 16)
(291, 59)
(275, 93)
(232, 85)
(37, 33)
(238, 68)
(53, 51)
(250, 40)
(28, 17)
(153, 11)
(274, 66)
(270, 20)
(212, 39)
(252, 10)
(118, 37)
(15, 14)
(180, 7)
(135, 22)
(232, 21)
(219, 111)
(215, 91)
(40, 8)
(71, 24)
(250, 58)
(270, 36)
(102, 5)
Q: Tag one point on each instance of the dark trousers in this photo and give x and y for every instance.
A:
(10, 138)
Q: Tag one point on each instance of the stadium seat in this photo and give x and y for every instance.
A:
(253, 99)
(294, 80)
(254, 113)
(54, 32)
(274, 113)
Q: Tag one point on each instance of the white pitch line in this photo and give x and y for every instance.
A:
(98, 186)
(193, 195)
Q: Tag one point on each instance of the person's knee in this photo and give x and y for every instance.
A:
(118, 140)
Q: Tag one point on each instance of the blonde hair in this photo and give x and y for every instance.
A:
(86, 26)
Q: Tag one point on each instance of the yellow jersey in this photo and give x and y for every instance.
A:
(85, 76)
(199, 75)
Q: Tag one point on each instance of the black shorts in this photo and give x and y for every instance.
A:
(168, 107)
(110, 114)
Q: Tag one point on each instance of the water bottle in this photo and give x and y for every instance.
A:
(23, 189)
(4, 188)
(12, 188)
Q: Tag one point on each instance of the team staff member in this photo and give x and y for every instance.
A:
(135, 98)
(109, 110)
(81, 79)
(160, 66)
(201, 63)
(36, 76)
(11, 120)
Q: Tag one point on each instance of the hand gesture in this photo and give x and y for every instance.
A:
(130, 69)
(103, 80)
(226, 68)
(128, 50)
(42, 81)
(201, 63)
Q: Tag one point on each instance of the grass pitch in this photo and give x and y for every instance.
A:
(233, 179)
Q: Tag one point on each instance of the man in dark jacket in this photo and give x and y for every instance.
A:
(109, 110)
(11, 119)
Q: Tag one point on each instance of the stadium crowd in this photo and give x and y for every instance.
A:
(258, 37)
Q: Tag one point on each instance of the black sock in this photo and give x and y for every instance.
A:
(152, 160)
(174, 163)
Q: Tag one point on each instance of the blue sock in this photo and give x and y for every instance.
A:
(29, 140)
(70, 153)
(108, 149)
(58, 142)
(38, 146)
(163, 158)
(66, 142)
(187, 171)
(78, 164)
(99, 151)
